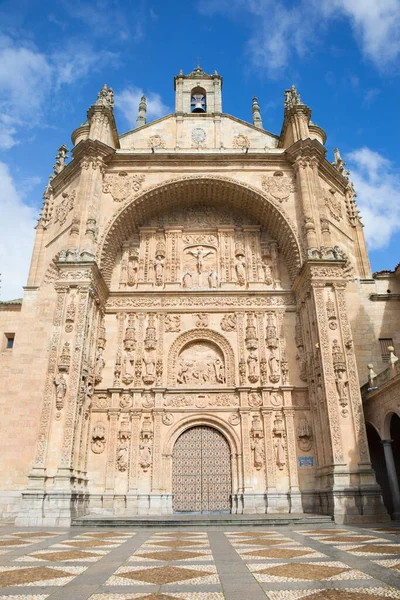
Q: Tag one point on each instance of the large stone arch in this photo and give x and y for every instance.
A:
(208, 335)
(188, 190)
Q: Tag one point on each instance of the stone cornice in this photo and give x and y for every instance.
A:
(320, 272)
(83, 273)
(306, 149)
(276, 158)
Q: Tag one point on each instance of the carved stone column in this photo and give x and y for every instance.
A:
(392, 477)
(113, 415)
(267, 414)
(295, 497)
(248, 499)
(155, 497)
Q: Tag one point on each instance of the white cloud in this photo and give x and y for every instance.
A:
(377, 184)
(280, 30)
(71, 64)
(128, 100)
(16, 240)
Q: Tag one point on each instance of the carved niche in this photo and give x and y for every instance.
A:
(201, 363)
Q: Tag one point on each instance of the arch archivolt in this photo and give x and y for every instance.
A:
(189, 189)
(387, 418)
(201, 335)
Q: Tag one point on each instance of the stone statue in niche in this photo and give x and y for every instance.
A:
(61, 390)
(149, 363)
(122, 456)
(213, 279)
(187, 280)
(201, 363)
(274, 368)
(267, 273)
(252, 362)
(341, 380)
(304, 435)
(240, 266)
(159, 264)
(145, 451)
(257, 435)
(280, 441)
(99, 366)
(128, 367)
(132, 268)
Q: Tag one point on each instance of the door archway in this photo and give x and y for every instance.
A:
(201, 471)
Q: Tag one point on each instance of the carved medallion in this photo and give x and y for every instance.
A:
(64, 207)
(234, 419)
(198, 136)
(156, 141)
(333, 204)
(241, 141)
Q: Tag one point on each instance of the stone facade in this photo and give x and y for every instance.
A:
(195, 273)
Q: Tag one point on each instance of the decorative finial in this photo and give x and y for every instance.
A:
(257, 121)
(393, 359)
(60, 159)
(339, 164)
(198, 62)
(105, 97)
(141, 118)
(292, 98)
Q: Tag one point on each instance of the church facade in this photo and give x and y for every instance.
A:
(193, 328)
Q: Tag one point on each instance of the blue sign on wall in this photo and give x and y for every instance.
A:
(306, 461)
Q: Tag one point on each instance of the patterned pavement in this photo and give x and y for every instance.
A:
(346, 563)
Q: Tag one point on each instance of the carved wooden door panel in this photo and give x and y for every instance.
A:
(201, 471)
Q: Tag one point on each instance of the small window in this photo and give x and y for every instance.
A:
(385, 343)
(9, 341)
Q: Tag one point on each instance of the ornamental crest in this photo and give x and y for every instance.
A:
(65, 206)
(122, 185)
(198, 137)
(334, 205)
(156, 141)
(278, 187)
(241, 141)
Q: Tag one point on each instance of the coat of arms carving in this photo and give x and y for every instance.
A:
(65, 206)
(122, 185)
(278, 187)
(333, 204)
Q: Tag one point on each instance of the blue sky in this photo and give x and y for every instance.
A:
(343, 55)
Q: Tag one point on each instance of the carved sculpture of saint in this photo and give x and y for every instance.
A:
(122, 456)
(61, 390)
(268, 279)
(213, 279)
(187, 280)
(274, 367)
(257, 448)
(99, 366)
(280, 452)
(159, 269)
(200, 255)
(341, 386)
(132, 270)
(219, 371)
(240, 268)
(145, 455)
(183, 372)
(127, 367)
(252, 361)
(149, 365)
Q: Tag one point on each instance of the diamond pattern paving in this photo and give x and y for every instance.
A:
(343, 595)
(177, 543)
(378, 549)
(348, 538)
(262, 542)
(87, 544)
(69, 555)
(162, 575)
(304, 571)
(278, 553)
(29, 575)
(171, 555)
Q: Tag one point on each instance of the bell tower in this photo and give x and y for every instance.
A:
(198, 93)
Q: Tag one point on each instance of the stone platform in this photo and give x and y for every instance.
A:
(201, 520)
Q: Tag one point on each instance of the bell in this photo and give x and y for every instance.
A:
(198, 104)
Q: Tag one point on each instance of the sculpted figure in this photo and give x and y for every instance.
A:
(145, 455)
(132, 271)
(280, 452)
(213, 279)
(274, 368)
(61, 390)
(99, 366)
(228, 322)
(252, 361)
(257, 448)
(122, 456)
(200, 255)
(240, 268)
(187, 280)
(219, 371)
(268, 279)
(183, 372)
(159, 269)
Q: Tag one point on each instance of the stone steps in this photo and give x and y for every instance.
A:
(200, 520)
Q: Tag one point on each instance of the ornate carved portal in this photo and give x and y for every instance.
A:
(201, 471)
